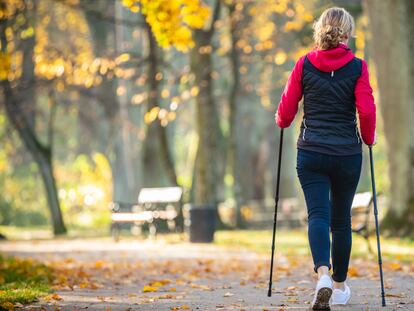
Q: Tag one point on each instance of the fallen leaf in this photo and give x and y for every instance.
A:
(148, 288)
(395, 295)
(352, 271)
(52, 297)
(166, 296)
(99, 264)
(395, 266)
(7, 306)
(158, 283)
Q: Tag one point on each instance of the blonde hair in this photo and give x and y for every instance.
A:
(333, 26)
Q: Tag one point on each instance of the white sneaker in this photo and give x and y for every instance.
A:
(341, 297)
(323, 293)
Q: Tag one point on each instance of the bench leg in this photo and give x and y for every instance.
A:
(153, 231)
(115, 231)
(370, 250)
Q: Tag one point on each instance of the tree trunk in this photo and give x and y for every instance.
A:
(207, 118)
(391, 26)
(20, 110)
(41, 154)
(27, 87)
(124, 137)
(159, 163)
(235, 164)
(110, 131)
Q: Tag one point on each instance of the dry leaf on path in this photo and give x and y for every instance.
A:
(148, 288)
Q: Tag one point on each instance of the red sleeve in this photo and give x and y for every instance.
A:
(292, 94)
(365, 106)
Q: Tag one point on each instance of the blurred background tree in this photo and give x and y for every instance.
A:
(102, 98)
(392, 23)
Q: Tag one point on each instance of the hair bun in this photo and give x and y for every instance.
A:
(331, 36)
(333, 26)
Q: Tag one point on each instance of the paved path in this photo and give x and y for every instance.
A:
(98, 274)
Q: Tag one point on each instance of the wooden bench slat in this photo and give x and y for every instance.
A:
(362, 199)
(160, 195)
(125, 217)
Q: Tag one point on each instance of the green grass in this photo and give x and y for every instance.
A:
(46, 233)
(22, 281)
(289, 242)
(295, 242)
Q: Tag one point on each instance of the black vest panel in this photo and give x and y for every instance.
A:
(329, 105)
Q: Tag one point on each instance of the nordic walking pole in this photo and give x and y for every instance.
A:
(275, 214)
(376, 223)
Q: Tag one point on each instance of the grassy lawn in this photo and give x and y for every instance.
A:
(45, 232)
(22, 281)
(295, 242)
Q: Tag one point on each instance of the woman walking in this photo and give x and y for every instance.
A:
(334, 84)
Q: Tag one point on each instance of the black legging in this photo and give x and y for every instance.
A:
(329, 183)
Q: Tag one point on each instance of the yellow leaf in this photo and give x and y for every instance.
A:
(158, 283)
(83, 285)
(7, 306)
(56, 297)
(52, 297)
(148, 288)
(99, 264)
(4, 65)
(395, 266)
(352, 271)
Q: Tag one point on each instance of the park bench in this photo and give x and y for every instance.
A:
(362, 223)
(361, 211)
(154, 205)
